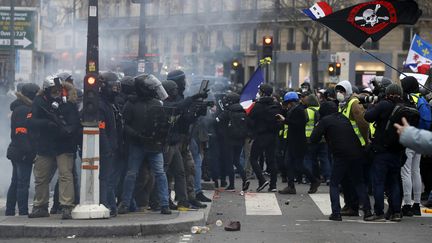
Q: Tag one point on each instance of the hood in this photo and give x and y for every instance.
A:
(20, 100)
(347, 86)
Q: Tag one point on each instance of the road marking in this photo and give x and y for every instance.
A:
(355, 221)
(185, 238)
(262, 204)
(322, 200)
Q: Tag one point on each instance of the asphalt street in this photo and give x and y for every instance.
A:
(271, 217)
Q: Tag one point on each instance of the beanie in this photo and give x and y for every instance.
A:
(410, 85)
(394, 89)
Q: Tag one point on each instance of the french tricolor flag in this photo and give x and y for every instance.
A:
(318, 10)
(250, 90)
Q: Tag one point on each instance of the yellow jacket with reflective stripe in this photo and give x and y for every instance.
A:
(310, 124)
(283, 132)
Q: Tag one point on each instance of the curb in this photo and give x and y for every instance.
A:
(89, 228)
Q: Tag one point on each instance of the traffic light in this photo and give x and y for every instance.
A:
(338, 68)
(267, 46)
(332, 69)
(235, 64)
(91, 100)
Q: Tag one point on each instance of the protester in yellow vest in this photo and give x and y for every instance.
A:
(349, 106)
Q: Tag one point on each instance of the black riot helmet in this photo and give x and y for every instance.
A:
(179, 77)
(171, 88)
(230, 98)
(30, 90)
(109, 85)
(148, 86)
(127, 85)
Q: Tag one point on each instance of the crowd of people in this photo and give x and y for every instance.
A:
(153, 140)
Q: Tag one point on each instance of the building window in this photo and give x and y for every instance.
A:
(154, 43)
(194, 42)
(326, 41)
(167, 44)
(253, 44)
(237, 40)
(205, 41)
(305, 45)
(180, 42)
(220, 40)
(407, 36)
(291, 39)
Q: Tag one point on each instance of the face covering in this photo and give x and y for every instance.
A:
(340, 97)
(258, 95)
(304, 89)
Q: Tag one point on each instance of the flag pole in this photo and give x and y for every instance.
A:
(379, 59)
(390, 66)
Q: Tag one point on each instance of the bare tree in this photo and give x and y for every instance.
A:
(291, 11)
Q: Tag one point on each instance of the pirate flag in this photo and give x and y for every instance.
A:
(366, 20)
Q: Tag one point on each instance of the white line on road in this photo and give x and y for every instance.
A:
(323, 202)
(262, 204)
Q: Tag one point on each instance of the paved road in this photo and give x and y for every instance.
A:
(270, 217)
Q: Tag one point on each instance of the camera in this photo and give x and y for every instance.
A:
(378, 85)
(368, 99)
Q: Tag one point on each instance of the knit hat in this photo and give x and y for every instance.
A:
(410, 85)
(394, 89)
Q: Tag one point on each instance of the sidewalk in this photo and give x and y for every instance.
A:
(132, 224)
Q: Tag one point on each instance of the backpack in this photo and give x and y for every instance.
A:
(237, 125)
(425, 112)
(391, 138)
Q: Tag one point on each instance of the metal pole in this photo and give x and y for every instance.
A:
(12, 45)
(142, 49)
(73, 36)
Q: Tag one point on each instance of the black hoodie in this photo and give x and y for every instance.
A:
(21, 147)
(264, 125)
(224, 118)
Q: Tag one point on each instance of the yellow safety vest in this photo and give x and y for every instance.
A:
(346, 112)
(372, 129)
(283, 133)
(415, 97)
(311, 120)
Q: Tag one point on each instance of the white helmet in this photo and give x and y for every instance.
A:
(50, 81)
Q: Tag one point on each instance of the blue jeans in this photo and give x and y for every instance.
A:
(137, 155)
(194, 148)
(19, 188)
(386, 172)
(317, 152)
(107, 182)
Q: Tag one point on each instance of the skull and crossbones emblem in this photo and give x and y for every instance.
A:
(370, 16)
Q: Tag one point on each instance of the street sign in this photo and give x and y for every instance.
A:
(25, 24)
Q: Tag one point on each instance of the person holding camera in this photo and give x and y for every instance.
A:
(386, 154)
(145, 132)
(191, 108)
(55, 123)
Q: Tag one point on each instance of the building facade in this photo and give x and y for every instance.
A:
(205, 36)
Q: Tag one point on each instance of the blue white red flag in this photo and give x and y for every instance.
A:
(419, 57)
(318, 10)
(250, 90)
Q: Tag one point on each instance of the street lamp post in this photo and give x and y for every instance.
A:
(12, 45)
